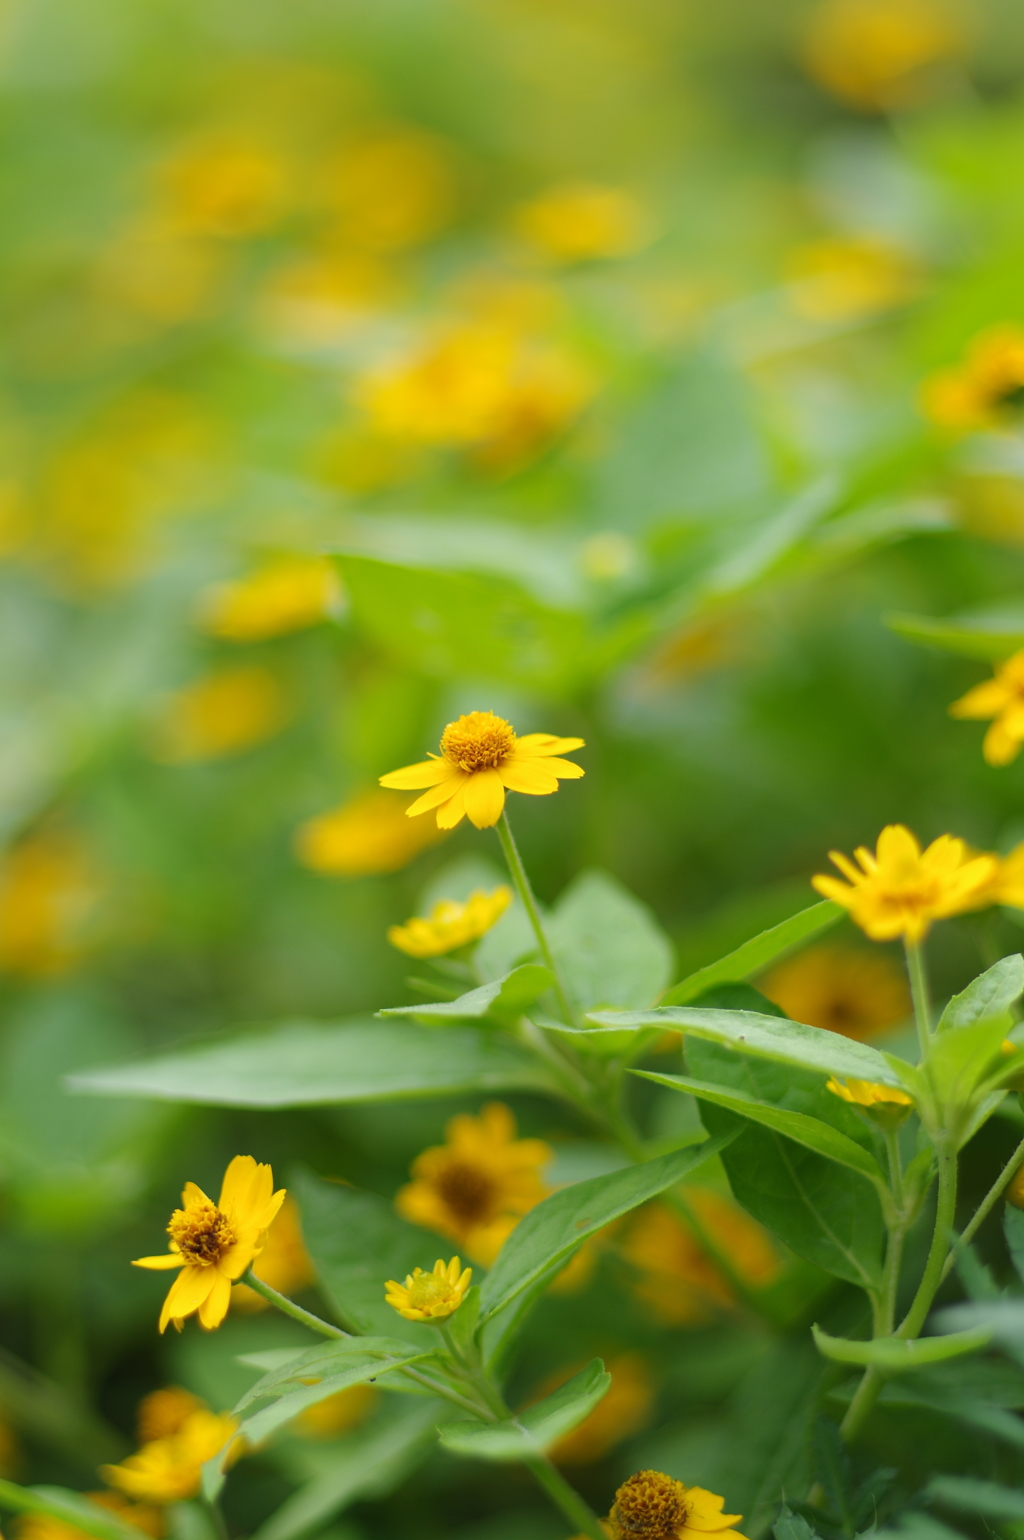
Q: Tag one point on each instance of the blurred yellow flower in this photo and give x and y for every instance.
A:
(899, 890)
(157, 276)
(846, 280)
(678, 1280)
(318, 299)
(1007, 886)
(338, 1413)
(623, 1411)
(476, 1187)
(48, 893)
(854, 992)
(142, 1516)
(169, 1470)
(391, 191)
(1015, 1191)
(578, 221)
(286, 595)
(1002, 699)
(481, 758)
(225, 713)
(985, 391)
(651, 1506)
(15, 524)
(367, 835)
(864, 1093)
(163, 1412)
(284, 1262)
(10, 1450)
(877, 54)
(214, 1243)
(451, 924)
(430, 1296)
(221, 184)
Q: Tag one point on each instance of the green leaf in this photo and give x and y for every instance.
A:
(608, 947)
(462, 1326)
(792, 1526)
(549, 1234)
(304, 1064)
(957, 1064)
(987, 635)
(986, 1499)
(1013, 1229)
(535, 1429)
(70, 1507)
(991, 994)
(798, 1126)
(1003, 1319)
(895, 1355)
(754, 956)
(505, 997)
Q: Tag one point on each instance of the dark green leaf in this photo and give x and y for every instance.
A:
(508, 996)
(792, 1526)
(755, 955)
(986, 1499)
(1013, 1229)
(535, 1429)
(832, 1468)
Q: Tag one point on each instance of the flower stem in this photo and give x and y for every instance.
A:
(578, 1512)
(919, 991)
(1000, 1184)
(288, 1307)
(522, 883)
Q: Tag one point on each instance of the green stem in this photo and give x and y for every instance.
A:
(578, 1512)
(945, 1210)
(1000, 1184)
(517, 872)
(919, 991)
(288, 1307)
(860, 1406)
(216, 1518)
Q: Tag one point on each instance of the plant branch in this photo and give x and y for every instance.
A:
(289, 1307)
(919, 991)
(575, 1508)
(998, 1187)
(517, 871)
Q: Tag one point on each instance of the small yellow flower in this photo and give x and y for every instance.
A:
(986, 390)
(844, 280)
(577, 221)
(451, 924)
(287, 595)
(1015, 1191)
(284, 1262)
(48, 895)
(222, 185)
(1000, 698)
(875, 54)
(856, 993)
(390, 191)
(169, 1470)
(366, 835)
(677, 1278)
(338, 1413)
(481, 758)
(621, 1413)
(652, 1506)
(142, 1516)
(214, 1243)
(899, 890)
(475, 1188)
(164, 1412)
(430, 1296)
(1007, 885)
(864, 1093)
(225, 713)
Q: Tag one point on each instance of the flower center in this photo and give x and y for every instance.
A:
(649, 1506)
(479, 741)
(201, 1233)
(427, 1290)
(467, 1191)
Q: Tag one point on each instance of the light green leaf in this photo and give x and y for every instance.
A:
(986, 1499)
(307, 1064)
(558, 1226)
(508, 996)
(958, 1060)
(608, 947)
(271, 1359)
(754, 955)
(990, 994)
(895, 1355)
(69, 1507)
(987, 635)
(535, 1429)
(798, 1126)
(332, 1367)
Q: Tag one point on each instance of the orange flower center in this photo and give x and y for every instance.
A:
(479, 741)
(649, 1506)
(201, 1233)
(467, 1191)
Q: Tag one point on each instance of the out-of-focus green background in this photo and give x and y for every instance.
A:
(586, 338)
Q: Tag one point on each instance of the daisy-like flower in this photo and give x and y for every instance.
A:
(652, 1506)
(481, 758)
(169, 1470)
(1000, 698)
(213, 1243)
(475, 1188)
(451, 924)
(864, 1093)
(900, 889)
(986, 390)
(430, 1296)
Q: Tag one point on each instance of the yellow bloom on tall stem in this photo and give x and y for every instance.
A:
(1000, 698)
(481, 758)
(451, 924)
(168, 1470)
(652, 1506)
(214, 1243)
(899, 889)
(430, 1296)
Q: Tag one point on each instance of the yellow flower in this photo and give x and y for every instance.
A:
(451, 924)
(874, 54)
(856, 993)
(364, 836)
(864, 1093)
(221, 185)
(214, 1243)
(651, 1506)
(168, 1470)
(288, 595)
(340, 1412)
(141, 1516)
(678, 1279)
(48, 893)
(576, 221)
(1008, 882)
(986, 390)
(225, 713)
(1015, 1191)
(475, 1188)
(430, 1296)
(481, 758)
(284, 1262)
(1002, 699)
(622, 1412)
(164, 1412)
(899, 890)
(391, 191)
(843, 280)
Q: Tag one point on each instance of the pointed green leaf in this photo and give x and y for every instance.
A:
(754, 956)
(1013, 1230)
(535, 1429)
(988, 636)
(990, 994)
(69, 1507)
(986, 1499)
(895, 1355)
(608, 946)
(508, 996)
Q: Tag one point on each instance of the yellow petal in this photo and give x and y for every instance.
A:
(831, 887)
(158, 1264)
(484, 798)
(531, 776)
(437, 794)
(897, 844)
(985, 700)
(1000, 747)
(237, 1184)
(534, 744)
(187, 1293)
(192, 1194)
(453, 811)
(429, 772)
(565, 769)
(215, 1306)
(705, 1512)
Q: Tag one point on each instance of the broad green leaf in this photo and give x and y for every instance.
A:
(765, 1037)
(895, 1355)
(270, 1360)
(535, 1429)
(1003, 1319)
(822, 1211)
(69, 1507)
(608, 946)
(986, 1499)
(798, 1126)
(1013, 1230)
(991, 994)
(463, 1324)
(754, 956)
(508, 996)
(304, 1064)
(792, 1526)
(558, 1226)
(986, 635)
(958, 1060)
